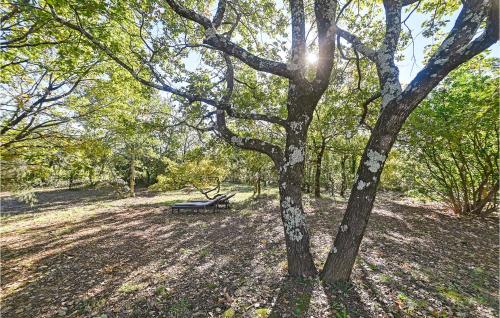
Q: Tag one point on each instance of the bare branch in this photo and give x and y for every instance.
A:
(343, 9)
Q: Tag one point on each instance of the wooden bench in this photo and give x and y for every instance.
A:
(224, 200)
(197, 205)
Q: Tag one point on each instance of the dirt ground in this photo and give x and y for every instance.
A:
(86, 254)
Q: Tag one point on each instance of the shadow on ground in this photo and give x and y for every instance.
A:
(143, 261)
(56, 199)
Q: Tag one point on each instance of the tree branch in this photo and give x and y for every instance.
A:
(298, 33)
(324, 11)
(222, 43)
(358, 45)
(254, 116)
(273, 151)
(219, 14)
(167, 88)
(458, 47)
(362, 120)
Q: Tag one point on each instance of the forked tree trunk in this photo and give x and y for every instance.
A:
(341, 258)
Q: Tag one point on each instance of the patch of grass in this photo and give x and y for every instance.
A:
(181, 307)
(162, 291)
(128, 287)
(262, 313)
(386, 279)
(302, 304)
(340, 310)
(408, 304)
(342, 314)
(371, 266)
(483, 299)
(91, 305)
(63, 231)
(205, 252)
(185, 251)
(246, 213)
(402, 297)
(479, 277)
(28, 221)
(451, 294)
(478, 271)
(229, 313)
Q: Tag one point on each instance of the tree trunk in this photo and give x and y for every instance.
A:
(291, 178)
(132, 176)
(317, 177)
(91, 178)
(307, 177)
(343, 171)
(71, 178)
(256, 190)
(353, 164)
(341, 258)
(290, 165)
(258, 185)
(148, 177)
(300, 262)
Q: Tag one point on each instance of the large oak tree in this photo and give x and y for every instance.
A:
(151, 39)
